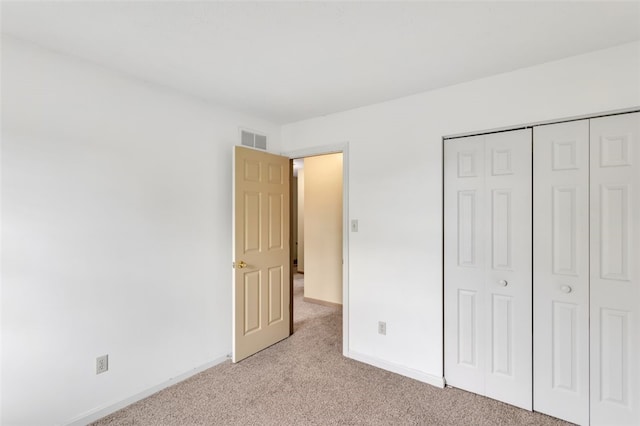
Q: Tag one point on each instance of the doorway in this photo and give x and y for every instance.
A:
(326, 261)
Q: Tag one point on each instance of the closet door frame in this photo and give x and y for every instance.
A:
(594, 398)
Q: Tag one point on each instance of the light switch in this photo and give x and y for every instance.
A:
(354, 225)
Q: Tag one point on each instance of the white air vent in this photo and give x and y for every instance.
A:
(254, 140)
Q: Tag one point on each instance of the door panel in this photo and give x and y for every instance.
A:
(251, 296)
(488, 242)
(467, 225)
(276, 294)
(502, 333)
(261, 293)
(465, 260)
(501, 223)
(468, 326)
(251, 222)
(276, 221)
(615, 276)
(614, 231)
(561, 270)
(564, 353)
(508, 294)
(614, 364)
(564, 228)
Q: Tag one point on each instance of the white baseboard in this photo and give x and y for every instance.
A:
(100, 412)
(399, 369)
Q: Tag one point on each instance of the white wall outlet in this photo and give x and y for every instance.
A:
(102, 364)
(354, 225)
(382, 328)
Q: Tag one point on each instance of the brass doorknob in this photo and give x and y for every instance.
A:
(240, 265)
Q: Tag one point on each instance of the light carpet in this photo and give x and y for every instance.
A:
(305, 380)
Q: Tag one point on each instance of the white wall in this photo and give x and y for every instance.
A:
(323, 227)
(116, 220)
(395, 188)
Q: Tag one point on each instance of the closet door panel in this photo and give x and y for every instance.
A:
(508, 297)
(561, 270)
(464, 263)
(615, 275)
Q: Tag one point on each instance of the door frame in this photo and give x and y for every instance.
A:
(339, 148)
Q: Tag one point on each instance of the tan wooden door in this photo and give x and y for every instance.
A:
(261, 291)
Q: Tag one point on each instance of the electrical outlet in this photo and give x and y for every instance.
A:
(102, 364)
(382, 328)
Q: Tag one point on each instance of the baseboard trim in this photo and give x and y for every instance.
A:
(322, 302)
(100, 412)
(398, 369)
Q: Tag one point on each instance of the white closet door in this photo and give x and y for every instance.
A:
(508, 291)
(488, 265)
(615, 270)
(465, 233)
(561, 270)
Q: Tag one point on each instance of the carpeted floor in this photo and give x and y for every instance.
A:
(305, 380)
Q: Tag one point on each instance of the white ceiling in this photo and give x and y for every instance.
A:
(294, 60)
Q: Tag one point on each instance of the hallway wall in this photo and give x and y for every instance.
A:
(323, 228)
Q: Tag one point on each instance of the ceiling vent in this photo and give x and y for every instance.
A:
(254, 140)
